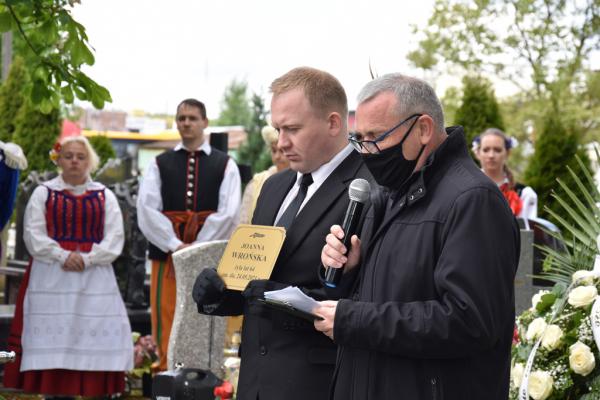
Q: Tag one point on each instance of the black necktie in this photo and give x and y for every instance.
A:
(290, 212)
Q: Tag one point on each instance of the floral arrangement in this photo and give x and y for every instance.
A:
(144, 354)
(555, 352)
(556, 338)
(55, 152)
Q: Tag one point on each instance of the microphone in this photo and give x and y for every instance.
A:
(359, 193)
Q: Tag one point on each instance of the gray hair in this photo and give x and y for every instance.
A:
(414, 96)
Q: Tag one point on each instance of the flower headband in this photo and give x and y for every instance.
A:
(55, 152)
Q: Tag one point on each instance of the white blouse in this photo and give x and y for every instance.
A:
(44, 248)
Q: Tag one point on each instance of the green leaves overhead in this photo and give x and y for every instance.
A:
(56, 47)
(535, 44)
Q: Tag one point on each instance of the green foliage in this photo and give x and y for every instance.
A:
(254, 152)
(578, 219)
(546, 302)
(579, 201)
(451, 102)
(533, 43)
(584, 106)
(479, 109)
(594, 387)
(11, 98)
(555, 149)
(235, 107)
(55, 48)
(536, 45)
(103, 147)
(36, 132)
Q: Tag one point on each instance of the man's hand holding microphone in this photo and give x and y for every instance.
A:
(335, 255)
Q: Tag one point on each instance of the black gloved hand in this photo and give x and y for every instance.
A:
(208, 288)
(256, 289)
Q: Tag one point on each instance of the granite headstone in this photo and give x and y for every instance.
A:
(196, 341)
(524, 288)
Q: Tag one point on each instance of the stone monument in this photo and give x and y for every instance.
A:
(196, 341)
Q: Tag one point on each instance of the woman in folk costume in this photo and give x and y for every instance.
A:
(71, 331)
(492, 149)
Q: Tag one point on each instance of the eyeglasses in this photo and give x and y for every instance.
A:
(371, 145)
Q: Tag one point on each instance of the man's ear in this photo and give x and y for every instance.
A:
(205, 123)
(426, 129)
(334, 121)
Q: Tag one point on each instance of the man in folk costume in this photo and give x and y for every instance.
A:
(188, 195)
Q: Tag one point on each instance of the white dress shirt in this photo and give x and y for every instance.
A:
(157, 227)
(319, 176)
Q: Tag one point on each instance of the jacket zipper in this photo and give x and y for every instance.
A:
(434, 389)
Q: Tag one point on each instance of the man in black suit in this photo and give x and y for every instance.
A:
(283, 357)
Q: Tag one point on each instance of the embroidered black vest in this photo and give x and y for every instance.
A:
(189, 181)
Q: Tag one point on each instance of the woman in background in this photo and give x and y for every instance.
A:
(492, 149)
(71, 328)
(280, 162)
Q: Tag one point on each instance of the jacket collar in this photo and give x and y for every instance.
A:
(416, 187)
(453, 147)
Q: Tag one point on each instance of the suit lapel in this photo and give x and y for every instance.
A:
(321, 202)
(274, 198)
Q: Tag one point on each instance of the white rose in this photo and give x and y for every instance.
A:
(535, 329)
(537, 298)
(540, 385)
(581, 359)
(587, 277)
(581, 296)
(516, 374)
(551, 337)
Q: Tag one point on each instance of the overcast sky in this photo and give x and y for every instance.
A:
(151, 54)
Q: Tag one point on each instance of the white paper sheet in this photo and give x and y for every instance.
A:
(295, 297)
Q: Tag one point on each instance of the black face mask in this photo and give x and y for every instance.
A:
(389, 167)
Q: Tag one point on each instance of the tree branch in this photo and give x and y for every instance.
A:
(21, 31)
(528, 53)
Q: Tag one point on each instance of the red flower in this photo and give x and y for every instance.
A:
(225, 391)
(514, 201)
(54, 152)
(515, 338)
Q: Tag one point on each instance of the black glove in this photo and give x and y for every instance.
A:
(209, 288)
(256, 289)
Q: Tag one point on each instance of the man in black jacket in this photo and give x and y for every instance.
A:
(433, 315)
(283, 357)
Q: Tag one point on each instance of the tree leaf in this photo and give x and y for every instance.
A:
(6, 21)
(67, 94)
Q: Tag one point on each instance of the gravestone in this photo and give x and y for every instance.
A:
(196, 341)
(524, 288)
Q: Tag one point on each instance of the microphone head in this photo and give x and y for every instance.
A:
(359, 190)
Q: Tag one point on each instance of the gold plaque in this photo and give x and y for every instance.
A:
(250, 254)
